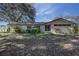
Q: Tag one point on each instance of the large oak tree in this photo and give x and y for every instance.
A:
(17, 12)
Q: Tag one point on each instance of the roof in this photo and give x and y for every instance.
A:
(55, 20)
(17, 23)
(41, 23)
(62, 19)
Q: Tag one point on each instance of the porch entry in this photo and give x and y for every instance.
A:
(47, 27)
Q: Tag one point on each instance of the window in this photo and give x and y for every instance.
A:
(62, 24)
(47, 27)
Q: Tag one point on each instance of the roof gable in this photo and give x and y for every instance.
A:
(61, 19)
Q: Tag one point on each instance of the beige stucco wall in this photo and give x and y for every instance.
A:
(23, 28)
(63, 29)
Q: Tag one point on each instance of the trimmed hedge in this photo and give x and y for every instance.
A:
(33, 31)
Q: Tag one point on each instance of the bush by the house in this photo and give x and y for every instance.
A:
(8, 30)
(75, 29)
(28, 31)
(17, 30)
(33, 30)
(57, 30)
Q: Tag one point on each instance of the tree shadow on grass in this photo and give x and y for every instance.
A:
(47, 45)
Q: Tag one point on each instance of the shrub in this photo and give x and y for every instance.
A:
(57, 30)
(8, 30)
(28, 31)
(17, 30)
(33, 30)
(75, 29)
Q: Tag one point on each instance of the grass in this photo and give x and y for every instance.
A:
(3, 34)
(29, 36)
(42, 44)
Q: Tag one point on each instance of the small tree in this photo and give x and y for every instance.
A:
(75, 30)
(8, 30)
(17, 29)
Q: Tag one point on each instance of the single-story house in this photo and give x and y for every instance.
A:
(56, 26)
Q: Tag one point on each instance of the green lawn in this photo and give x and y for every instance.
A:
(3, 34)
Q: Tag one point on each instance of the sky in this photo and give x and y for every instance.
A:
(48, 11)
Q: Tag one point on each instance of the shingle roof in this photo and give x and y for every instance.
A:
(37, 23)
(40, 23)
(55, 20)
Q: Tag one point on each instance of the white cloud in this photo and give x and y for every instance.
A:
(45, 10)
(42, 10)
(37, 14)
(66, 13)
(48, 12)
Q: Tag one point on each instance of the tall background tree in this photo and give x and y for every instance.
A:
(19, 12)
